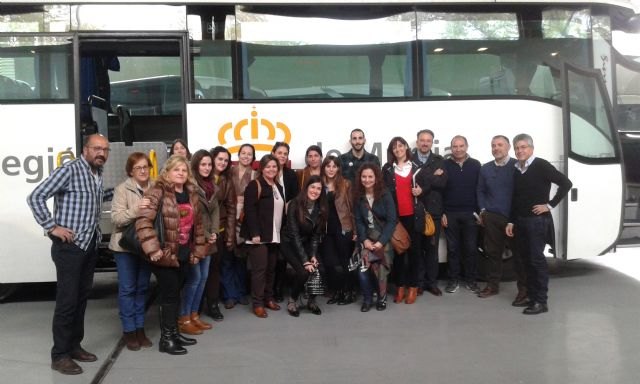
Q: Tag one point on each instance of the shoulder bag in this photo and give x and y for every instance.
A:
(130, 241)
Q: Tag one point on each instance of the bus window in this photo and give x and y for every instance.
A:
(326, 57)
(35, 68)
(212, 69)
(147, 85)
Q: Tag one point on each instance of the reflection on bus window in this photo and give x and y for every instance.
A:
(483, 54)
(326, 57)
(35, 68)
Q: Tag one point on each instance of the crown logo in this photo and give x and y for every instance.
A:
(254, 124)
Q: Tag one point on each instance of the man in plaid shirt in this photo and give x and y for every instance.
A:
(78, 194)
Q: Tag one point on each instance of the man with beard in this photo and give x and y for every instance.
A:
(352, 160)
(431, 182)
(77, 189)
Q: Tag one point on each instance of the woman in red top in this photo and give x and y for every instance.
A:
(399, 176)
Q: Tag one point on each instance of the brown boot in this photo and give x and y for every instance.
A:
(143, 340)
(195, 319)
(412, 296)
(399, 295)
(187, 326)
(131, 341)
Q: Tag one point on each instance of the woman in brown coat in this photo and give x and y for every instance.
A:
(226, 195)
(184, 243)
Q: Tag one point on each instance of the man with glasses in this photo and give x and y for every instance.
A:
(531, 220)
(77, 189)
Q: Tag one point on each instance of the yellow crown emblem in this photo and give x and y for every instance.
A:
(254, 124)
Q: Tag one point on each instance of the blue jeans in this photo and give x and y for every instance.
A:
(530, 237)
(133, 283)
(462, 245)
(194, 286)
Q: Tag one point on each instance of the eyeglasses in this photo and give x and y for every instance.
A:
(100, 149)
(141, 168)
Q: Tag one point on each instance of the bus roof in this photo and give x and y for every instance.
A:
(632, 4)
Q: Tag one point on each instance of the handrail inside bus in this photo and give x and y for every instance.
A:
(153, 172)
(61, 156)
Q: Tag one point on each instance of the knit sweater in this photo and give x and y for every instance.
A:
(460, 191)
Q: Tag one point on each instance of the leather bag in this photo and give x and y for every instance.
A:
(400, 240)
(131, 243)
(429, 225)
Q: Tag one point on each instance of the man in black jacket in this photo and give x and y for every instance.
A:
(430, 183)
(531, 218)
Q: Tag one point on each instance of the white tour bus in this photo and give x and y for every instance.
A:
(221, 73)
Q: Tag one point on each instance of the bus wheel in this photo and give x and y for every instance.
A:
(7, 290)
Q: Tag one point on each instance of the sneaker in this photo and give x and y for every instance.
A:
(472, 286)
(452, 286)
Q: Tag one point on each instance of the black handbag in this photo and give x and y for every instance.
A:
(315, 284)
(130, 241)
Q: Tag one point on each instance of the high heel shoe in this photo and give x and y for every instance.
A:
(313, 307)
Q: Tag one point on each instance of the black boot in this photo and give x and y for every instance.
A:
(167, 343)
(336, 298)
(347, 298)
(181, 340)
(213, 310)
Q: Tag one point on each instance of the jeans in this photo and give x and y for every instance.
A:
(133, 283)
(194, 286)
(530, 237)
(462, 245)
(233, 275)
(74, 274)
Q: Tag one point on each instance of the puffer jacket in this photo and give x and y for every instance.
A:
(124, 210)
(147, 235)
(226, 196)
(210, 211)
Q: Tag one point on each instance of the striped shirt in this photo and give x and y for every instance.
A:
(77, 201)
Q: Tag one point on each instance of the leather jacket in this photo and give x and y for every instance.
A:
(305, 235)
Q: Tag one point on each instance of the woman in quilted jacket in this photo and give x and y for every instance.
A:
(174, 196)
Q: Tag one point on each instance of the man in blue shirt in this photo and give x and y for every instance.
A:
(78, 194)
(495, 189)
(458, 220)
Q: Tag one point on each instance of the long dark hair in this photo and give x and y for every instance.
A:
(184, 144)
(391, 158)
(378, 187)
(196, 158)
(339, 181)
(303, 201)
(214, 153)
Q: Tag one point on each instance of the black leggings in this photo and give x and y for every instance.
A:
(336, 250)
(288, 251)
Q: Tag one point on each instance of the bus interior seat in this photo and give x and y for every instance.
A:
(501, 82)
(126, 126)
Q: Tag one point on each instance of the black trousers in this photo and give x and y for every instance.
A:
(429, 261)
(407, 265)
(170, 282)
(288, 251)
(336, 249)
(74, 274)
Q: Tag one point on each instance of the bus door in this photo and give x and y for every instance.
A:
(131, 89)
(595, 203)
(139, 83)
(627, 108)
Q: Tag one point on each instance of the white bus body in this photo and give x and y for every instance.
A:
(224, 101)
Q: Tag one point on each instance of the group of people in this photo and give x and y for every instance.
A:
(220, 221)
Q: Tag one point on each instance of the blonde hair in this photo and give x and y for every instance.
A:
(173, 162)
